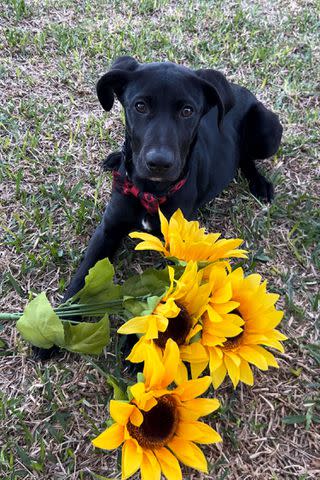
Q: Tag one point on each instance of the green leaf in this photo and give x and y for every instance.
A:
(140, 307)
(118, 388)
(15, 284)
(40, 325)
(309, 418)
(99, 286)
(129, 394)
(150, 281)
(261, 257)
(95, 476)
(140, 377)
(292, 419)
(135, 307)
(152, 284)
(314, 351)
(196, 337)
(296, 372)
(90, 338)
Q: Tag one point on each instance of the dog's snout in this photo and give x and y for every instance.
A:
(159, 160)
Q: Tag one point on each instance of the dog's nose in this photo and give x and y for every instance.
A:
(159, 160)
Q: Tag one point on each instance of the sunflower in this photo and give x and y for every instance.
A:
(186, 241)
(174, 317)
(258, 319)
(217, 323)
(159, 426)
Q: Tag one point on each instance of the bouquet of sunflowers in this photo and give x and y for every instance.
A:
(196, 316)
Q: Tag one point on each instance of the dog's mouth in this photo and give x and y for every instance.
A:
(156, 179)
(143, 174)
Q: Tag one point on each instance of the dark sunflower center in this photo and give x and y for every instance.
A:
(159, 424)
(177, 329)
(233, 342)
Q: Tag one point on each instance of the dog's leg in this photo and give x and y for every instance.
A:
(261, 138)
(259, 186)
(118, 220)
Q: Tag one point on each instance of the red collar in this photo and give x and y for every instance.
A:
(150, 202)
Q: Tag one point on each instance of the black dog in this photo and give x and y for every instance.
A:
(187, 132)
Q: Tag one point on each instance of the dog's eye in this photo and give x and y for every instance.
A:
(186, 111)
(141, 107)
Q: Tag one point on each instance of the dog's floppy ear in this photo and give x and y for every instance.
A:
(217, 91)
(114, 82)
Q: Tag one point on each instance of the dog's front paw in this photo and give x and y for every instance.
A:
(112, 162)
(43, 354)
(261, 188)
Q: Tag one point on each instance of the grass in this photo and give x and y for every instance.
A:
(53, 137)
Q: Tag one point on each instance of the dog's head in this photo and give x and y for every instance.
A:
(163, 104)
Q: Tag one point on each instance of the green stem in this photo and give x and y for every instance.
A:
(78, 306)
(78, 309)
(89, 313)
(10, 316)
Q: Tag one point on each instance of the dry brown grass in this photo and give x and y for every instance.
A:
(53, 135)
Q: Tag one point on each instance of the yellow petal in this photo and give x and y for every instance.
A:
(170, 361)
(188, 453)
(138, 390)
(246, 375)
(252, 282)
(152, 330)
(110, 438)
(135, 325)
(222, 329)
(216, 358)
(150, 241)
(153, 369)
(150, 468)
(254, 357)
(236, 277)
(193, 388)
(226, 307)
(223, 294)
(137, 353)
(198, 368)
(120, 411)
(144, 236)
(213, 315)
(171, 279)
(162, 323)
(272, 362)
(218, 375)
(279, 335)
(136, 417)
(182, 374)
(233, 370)
(148, 402)
(197, 432)
(131, 458)
(164, 226)
(168, 309)
(158, 247)
(234, 357)
(198, 407)
(195, 352)
(274, 344)
(169, 464)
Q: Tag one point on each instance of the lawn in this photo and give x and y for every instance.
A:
(53, 138)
